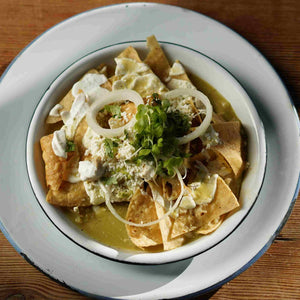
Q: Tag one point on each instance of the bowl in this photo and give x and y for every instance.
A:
(196, 63)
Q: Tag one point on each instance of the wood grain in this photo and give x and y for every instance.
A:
(271, 26)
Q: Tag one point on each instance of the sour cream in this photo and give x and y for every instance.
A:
(59, 143)
(54, 112)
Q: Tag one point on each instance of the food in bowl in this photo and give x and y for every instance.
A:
(140, 158)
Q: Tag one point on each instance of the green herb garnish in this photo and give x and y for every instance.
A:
(110, 147)
(114, 110)
(157, 130)
(70, 146)
(109, 180)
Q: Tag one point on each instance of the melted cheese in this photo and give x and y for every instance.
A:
(180, 84)
(138, 77)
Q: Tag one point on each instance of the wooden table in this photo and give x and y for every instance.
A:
(270, 25)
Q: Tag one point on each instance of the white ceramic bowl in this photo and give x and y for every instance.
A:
(196, 63)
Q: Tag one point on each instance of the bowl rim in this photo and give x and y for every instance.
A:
(156, 257)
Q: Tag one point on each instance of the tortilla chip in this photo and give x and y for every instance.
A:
(218, 165)
(223, 202)
(182, 76)
(211, 226)
(68, 99)
(171, 188)
(231, 145)
(55, 166)
(165, 228)
(79, 134)
(217, 118)
(142, 209)
(69, 195)
(130, 52)
(157, 60)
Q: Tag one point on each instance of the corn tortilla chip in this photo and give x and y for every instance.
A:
(231, 145)
(69, 195)
(211, 226)
(165, 228)
(142, 209)
(157, 60)
(223, 202)
(171, 188)
(68, 99)
(55, 166)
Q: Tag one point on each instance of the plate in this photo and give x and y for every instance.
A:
(39, 241)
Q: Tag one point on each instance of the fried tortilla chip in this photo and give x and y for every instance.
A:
(157, 60)
(223, 202)
(130, 52)
(55, 166)
(67, 101)
(231, 145)
(211, 226)
(171, 188)
(165, 228)
(69, 195)
(142, 209)
(79, 134)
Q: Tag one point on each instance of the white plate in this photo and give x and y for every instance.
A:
(39, 241)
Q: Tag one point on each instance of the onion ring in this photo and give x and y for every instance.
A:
(112, 97)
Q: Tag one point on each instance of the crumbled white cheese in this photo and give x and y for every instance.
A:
(116, 122)
(183, 104)
(187, 202)
(59, 143)
(94, 144)
(94, 191)
(89, 170)
(148, 171)
(210, 138)
(125, 150)
(54, 112)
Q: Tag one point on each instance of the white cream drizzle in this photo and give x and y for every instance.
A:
(54, 112)
(72, 118)
(90, 86)
(59, 143)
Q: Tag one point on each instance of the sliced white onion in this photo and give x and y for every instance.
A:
(201, 129)
(109, 98)
(113, 211)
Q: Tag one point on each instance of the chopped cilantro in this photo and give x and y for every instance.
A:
(156, 131)
(110, 147)
(115, 110)
(109, 180)
(70, 146)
